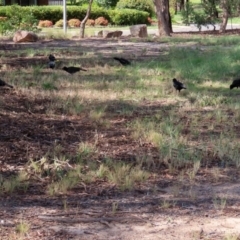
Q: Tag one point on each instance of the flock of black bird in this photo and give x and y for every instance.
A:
(71, 70)
(179, 86)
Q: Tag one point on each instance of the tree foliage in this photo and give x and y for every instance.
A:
(141, 5)
(207, 16)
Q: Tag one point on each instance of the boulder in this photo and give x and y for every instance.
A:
(24, 36)
(139, 30)
(110, 34)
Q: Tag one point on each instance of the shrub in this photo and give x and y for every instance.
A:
(59, 23)
(17, 20)
(141, 5)
(74, 22)
(107, 3)
(128, 17)
(101, 21)
(79, 3)
(45, 23)
(54, 13)
(90, 22)
(6, 27)
(85, 3)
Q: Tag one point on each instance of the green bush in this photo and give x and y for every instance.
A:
(54, 13)
(79, 2)
(59, 23)
(16, 19)
(5, 26)
(141, 5)
(107, 3)
(128, 17)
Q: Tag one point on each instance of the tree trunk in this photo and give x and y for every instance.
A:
(163, 16)
(83, 23)
(180, 5)
(224, 16)
(167, 14)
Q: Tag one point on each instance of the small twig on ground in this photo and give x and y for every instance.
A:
(98, 214)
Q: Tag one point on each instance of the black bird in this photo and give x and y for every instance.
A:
(73, 70)
(178, 85)
(51, 64)
(51, 58)
(235, 83)
(123, 61)
(2, 84)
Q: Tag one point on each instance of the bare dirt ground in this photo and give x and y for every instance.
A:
(163, 208)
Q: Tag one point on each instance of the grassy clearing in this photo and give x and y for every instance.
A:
(196, 128)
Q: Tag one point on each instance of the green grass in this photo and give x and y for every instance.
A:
(234, 20)
(22, 228)
(180, 128)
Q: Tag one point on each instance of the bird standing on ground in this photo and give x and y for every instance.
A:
(178, 85)
(235, 83)
(52, 60)
(4, 84)
(73, 70)
(123, 61)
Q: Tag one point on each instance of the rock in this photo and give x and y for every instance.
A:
(113, 34)
(109, 34)
(24, 36)
(139, 30)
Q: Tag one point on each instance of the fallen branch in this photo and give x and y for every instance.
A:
(86, 220)
(98, 214)
(75, 231)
